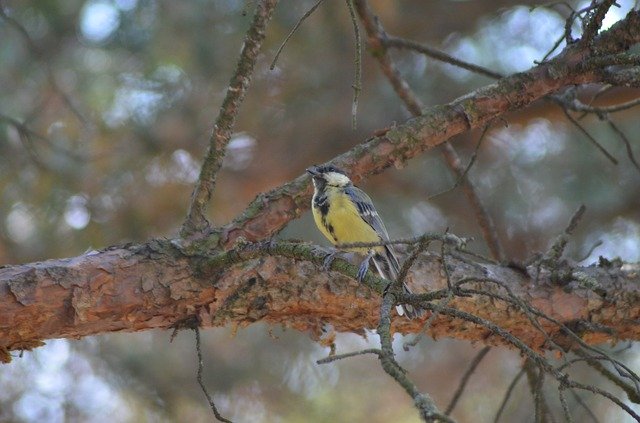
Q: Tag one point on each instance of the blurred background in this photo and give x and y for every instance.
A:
(105, 113)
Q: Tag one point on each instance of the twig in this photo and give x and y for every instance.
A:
(428, 410)
(337, 357)
(581, 402)
(626, 142)
(551, 50)
(427, 238)
(536, 385)
(443, 259)
(212, 405)
(36, 51)
(357, 84)
(465, 379)
(535, 357)
(443, 302)
(472, 160)
(552, 256)
(507, 395)
(565, 406)
(591, 250)
(579, 106)
(633, 392)
(589, 137)
(293, 31)
(196, 220)
(401, 43)
(423, 244)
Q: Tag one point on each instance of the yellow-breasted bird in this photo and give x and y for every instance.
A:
(345, 215)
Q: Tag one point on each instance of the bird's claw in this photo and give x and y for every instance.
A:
(328, 259)
(362, 270)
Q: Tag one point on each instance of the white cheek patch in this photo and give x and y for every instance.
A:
(337, 179)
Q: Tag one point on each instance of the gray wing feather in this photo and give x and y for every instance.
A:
(367, 210)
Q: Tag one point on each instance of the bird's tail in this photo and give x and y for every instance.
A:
(388, 266)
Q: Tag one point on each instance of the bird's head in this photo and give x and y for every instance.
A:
(328, 175)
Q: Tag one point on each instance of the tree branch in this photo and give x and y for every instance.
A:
(196, 220)
(154, 285)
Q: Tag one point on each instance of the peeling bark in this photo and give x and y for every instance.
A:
(153, 285)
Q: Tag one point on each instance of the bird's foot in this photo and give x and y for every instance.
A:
(328, 259)
(363, 269)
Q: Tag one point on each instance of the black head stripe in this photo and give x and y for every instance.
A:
(330, 168)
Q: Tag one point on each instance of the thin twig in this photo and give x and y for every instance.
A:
(565, 406)
(472, 160)
(196, 221)
(507, 395)
(423, 244)
(591, 250)
(535, 377)
(590, 137)
(428, 410)
(443, 302)
(337, 357)
(401, 43)
(581, 402)
(579, 106)
(534, 356)
(212, 405)
(465, 379)
(626, 142)
(293, 31)
(37, 52)
(357, 83)
(633, 392)
(416, 240)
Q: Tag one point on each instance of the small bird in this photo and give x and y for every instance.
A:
(345, 215)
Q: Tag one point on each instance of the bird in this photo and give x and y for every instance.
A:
(345, 214)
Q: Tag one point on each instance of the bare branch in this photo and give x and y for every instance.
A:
(578, 106)
(212, 405)
(293, 31)
(535, 377)
(36, 51)
(357, 84)
(428, 410)
(590, 137)
(507, 395)
(196, 222)
(401, 43)
(626, 142)
(465, 379)
(332, 358)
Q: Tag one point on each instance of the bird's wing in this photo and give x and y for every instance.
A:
(385, 261)
(367, 210)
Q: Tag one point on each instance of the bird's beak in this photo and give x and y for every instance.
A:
(313, 171)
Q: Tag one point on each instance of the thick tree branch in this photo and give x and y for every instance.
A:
(196, 220)
(153, 285)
